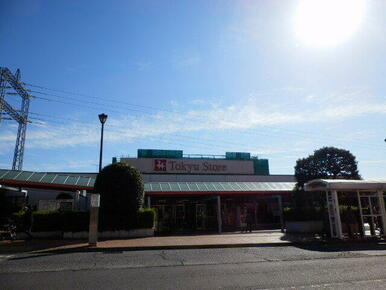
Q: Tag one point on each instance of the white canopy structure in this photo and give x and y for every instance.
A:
(371, 202)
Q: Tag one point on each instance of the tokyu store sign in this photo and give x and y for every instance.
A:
(191, 166)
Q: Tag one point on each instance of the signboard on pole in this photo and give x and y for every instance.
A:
(95, 200)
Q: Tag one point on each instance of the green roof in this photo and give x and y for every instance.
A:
(47, 178)
(56, 180)
(218, 186)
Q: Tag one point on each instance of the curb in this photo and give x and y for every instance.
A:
(187, 247)
(154, 248)
(86, 248)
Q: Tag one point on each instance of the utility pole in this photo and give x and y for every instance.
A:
(20, 116)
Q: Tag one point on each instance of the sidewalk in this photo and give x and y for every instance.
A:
(254, 239)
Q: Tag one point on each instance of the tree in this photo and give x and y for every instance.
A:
(122, 191)
(327, 163)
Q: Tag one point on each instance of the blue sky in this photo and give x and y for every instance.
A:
(201, 76)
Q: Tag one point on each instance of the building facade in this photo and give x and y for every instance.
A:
(189, 192)
(211, 192)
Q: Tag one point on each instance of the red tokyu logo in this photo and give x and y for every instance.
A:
(159, 165)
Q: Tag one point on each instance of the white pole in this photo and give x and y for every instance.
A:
(333, 214)
(337, 214)
(360, 211)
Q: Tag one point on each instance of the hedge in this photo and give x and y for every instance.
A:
(74, 221)
(146, 219)
(309, 213)
(305, 214)
(45, 221)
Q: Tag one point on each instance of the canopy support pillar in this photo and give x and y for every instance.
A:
(361, 213)
(334, 214)
(280, 204)
(219, 218)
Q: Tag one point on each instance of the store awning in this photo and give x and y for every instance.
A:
(344, 185)
(222, 188)
(46, 180)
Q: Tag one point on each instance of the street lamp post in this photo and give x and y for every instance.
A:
(102, 118)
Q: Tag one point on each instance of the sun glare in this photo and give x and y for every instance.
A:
(328, 22)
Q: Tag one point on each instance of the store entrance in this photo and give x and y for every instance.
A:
(176, 215)
(263, 213)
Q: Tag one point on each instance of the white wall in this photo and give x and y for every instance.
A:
(216, 178)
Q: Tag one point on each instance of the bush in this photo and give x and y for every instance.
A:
(306, 214)
(121, 189)
(46, 221)
(21, 220)
(146, 219)
(75, 221)
(60, 221)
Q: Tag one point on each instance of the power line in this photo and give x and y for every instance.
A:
(205, 143)
(295, 133)
(189, 139)
(120, 110)
(114, 100)
(76, 100)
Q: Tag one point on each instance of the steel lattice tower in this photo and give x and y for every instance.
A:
(19, 116)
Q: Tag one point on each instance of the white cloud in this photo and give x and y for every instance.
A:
(188, 61)
(7, 136)
(174, 103)
(249, 114)
(198, 101)
(277, 152)
(143, 65)
(65, 165)
(7, 140)
(309, 98)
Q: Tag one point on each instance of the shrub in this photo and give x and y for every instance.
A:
(21, 220)
(305, 214)
(146, 219)
(122, 190)
(46, 221)
(74, 221)
(60, 221)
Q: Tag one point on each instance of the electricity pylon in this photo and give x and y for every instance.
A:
(20, 116)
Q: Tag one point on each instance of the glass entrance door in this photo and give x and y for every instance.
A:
(371, 215)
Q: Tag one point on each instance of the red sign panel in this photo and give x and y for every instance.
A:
(159, 164)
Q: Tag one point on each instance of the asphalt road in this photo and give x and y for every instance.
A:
(327, 267)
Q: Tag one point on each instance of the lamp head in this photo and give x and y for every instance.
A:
(102, 118)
